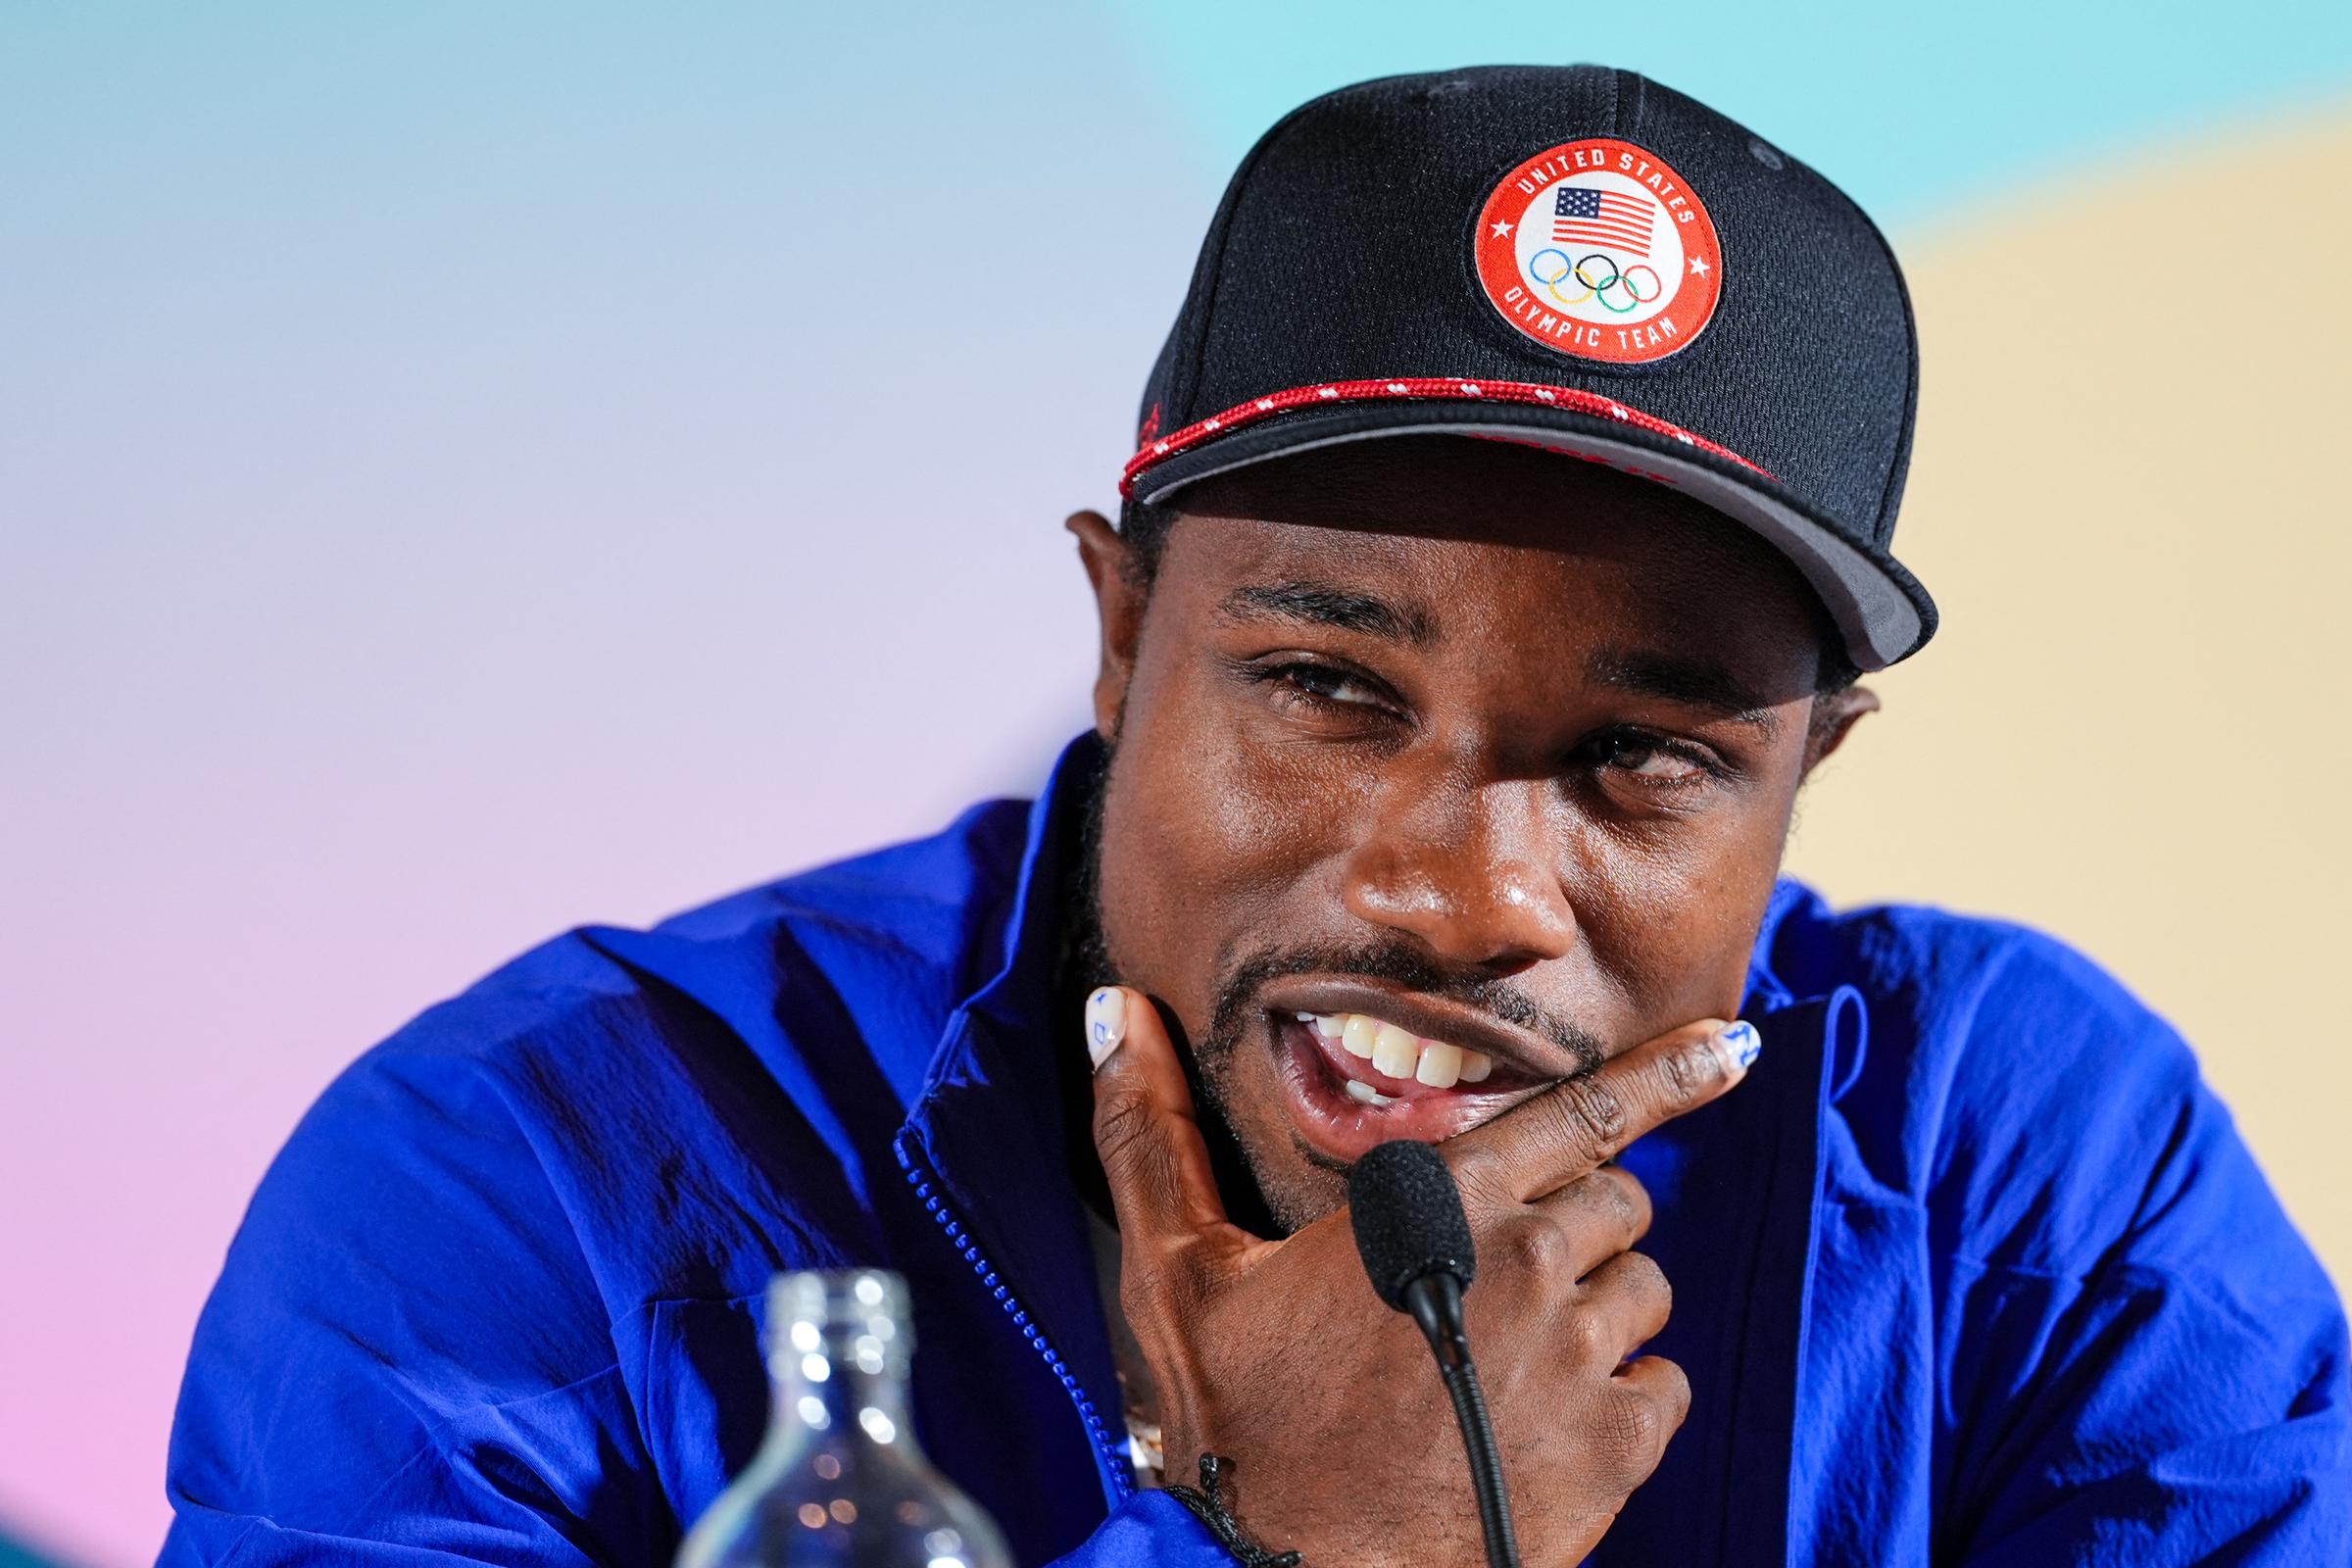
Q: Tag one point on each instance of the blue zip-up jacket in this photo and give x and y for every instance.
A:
(1971, 1269)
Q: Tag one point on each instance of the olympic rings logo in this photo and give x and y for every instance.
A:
(1588, 278)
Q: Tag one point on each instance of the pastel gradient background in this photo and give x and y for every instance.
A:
(471, 470)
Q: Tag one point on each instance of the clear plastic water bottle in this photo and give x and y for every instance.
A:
(839, 1478)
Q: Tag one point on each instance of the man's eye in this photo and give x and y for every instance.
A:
(1321, 686)
(1326, 685)
(1649, 759)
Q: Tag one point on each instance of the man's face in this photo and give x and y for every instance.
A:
(1481, 757)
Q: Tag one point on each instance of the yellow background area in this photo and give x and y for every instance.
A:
(2131, 730)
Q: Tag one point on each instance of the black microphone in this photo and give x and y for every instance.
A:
(1415, 1243)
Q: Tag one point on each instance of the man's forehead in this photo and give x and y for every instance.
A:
(1608, 581)
(1653, 659)
(1426, 586)
(1453, 522)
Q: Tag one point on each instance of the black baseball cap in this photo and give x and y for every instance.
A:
(1574, 257)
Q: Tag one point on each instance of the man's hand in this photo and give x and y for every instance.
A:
(1278, 1355)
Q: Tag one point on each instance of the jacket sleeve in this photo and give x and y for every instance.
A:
(2169, 1428)
(2158, 1376)
(405, 1361)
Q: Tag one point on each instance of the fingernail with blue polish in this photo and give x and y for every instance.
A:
(1105, 1023)
(1741, 1044)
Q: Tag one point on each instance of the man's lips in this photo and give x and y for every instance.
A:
(1509, 1049)
(1342, 1121)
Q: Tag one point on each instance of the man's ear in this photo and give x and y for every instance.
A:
(1119, 605)
(1833, 717)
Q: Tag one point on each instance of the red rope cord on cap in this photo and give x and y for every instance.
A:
(1453, 388)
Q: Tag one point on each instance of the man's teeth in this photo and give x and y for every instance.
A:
(1359, 1090)
(1440, 1066)
(1394, 1051)
(1398, 1052)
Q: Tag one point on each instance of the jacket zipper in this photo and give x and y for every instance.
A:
(924, 1181)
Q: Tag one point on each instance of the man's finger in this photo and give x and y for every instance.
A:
(1631, 1295)
(1661, 1395)
(1556, 1136)
(1144, 1131)
(1608, 1211)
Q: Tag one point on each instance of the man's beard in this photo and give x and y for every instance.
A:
(1088, 962)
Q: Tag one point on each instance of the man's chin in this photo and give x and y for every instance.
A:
(1296, 1183)
(1273, 1183)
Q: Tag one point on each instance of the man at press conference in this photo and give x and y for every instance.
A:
(1507, 534)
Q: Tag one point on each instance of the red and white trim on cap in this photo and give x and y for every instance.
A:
(1446, 388)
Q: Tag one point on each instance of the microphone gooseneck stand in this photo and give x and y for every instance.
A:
(1436, 1301)
(1417, 1249)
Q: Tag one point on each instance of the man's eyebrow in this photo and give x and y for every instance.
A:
(1696, 682)
(1319, 603)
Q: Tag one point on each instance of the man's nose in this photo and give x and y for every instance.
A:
(1472, 868)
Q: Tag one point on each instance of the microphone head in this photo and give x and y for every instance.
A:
(1408, 1218)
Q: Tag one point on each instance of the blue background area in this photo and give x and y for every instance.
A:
(1910, 107)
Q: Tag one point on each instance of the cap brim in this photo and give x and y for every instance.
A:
(1879, 608)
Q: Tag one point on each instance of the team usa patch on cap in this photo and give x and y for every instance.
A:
(1595, 248)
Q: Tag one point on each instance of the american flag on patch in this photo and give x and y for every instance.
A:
(1583, 216)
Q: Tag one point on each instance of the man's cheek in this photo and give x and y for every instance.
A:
(1227, 814)
(1673, 932)
(1168, 862)
(1143, 905)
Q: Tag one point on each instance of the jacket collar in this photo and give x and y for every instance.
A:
(990, 1124)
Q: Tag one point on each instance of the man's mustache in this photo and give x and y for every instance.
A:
(1400, 965)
